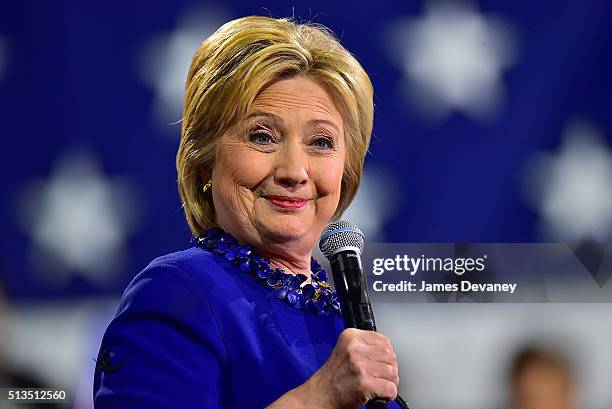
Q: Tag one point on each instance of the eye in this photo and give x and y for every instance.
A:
(260, 138)
(323, 142)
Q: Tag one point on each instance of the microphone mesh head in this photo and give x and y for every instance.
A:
(340, 234)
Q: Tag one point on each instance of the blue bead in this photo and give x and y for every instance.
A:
(295, 281)
(245, 252)
(238, 259)
(253, 265)
(314, 306)
(322, 276)
(281, 293)
(244, 266)
(318, 304)
(211, 243)
(271, 281)
(230, 255)
(292, 297)
(299, 303)
(324, 295)
(308, 290)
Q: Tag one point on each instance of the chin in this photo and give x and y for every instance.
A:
(283, 228)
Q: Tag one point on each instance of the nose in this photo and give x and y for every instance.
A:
(291, 165)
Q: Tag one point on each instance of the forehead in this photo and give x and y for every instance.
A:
(301, 95)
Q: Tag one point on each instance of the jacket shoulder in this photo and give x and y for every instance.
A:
(164, 348)
(193, 258)
(172, 279)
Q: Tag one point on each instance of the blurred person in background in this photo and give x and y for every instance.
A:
(541, 378)
(11, 377)
(276, 124)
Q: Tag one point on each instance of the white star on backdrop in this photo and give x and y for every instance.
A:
(78, 220)
(452, 58)
(374, 203)
(573, 189)
(166, 59)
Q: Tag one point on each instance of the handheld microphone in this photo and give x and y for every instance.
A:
(342, 244)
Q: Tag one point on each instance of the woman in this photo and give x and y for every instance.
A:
(277, 120)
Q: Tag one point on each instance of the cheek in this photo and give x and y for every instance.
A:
(329, 179)
(235, 174)
(239, 168)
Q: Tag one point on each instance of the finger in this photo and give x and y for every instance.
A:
(356, 349)
(384, 371)
(349, 333)
(374, 338)
(384, 389)
(381, 354)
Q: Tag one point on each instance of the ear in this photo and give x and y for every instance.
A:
(205, 175)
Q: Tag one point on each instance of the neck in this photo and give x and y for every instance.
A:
(291, 256)
(301, 266)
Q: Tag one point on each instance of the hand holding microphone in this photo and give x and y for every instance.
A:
(362, 368)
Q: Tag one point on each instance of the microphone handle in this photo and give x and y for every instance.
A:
(377, 403)
(357, 312)
(368, 324)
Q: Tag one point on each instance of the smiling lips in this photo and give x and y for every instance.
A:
(287, 202)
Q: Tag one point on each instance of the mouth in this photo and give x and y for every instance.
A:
(287, 202)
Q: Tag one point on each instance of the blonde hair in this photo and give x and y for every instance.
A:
(232, 66)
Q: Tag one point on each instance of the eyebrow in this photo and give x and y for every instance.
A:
(279, 120)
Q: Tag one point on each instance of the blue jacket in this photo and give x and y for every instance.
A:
(193, 331)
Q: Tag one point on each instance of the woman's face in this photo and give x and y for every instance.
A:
(277, 174)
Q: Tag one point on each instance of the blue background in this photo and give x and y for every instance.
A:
(73, 80)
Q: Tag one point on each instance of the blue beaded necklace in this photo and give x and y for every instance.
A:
(315, 297)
